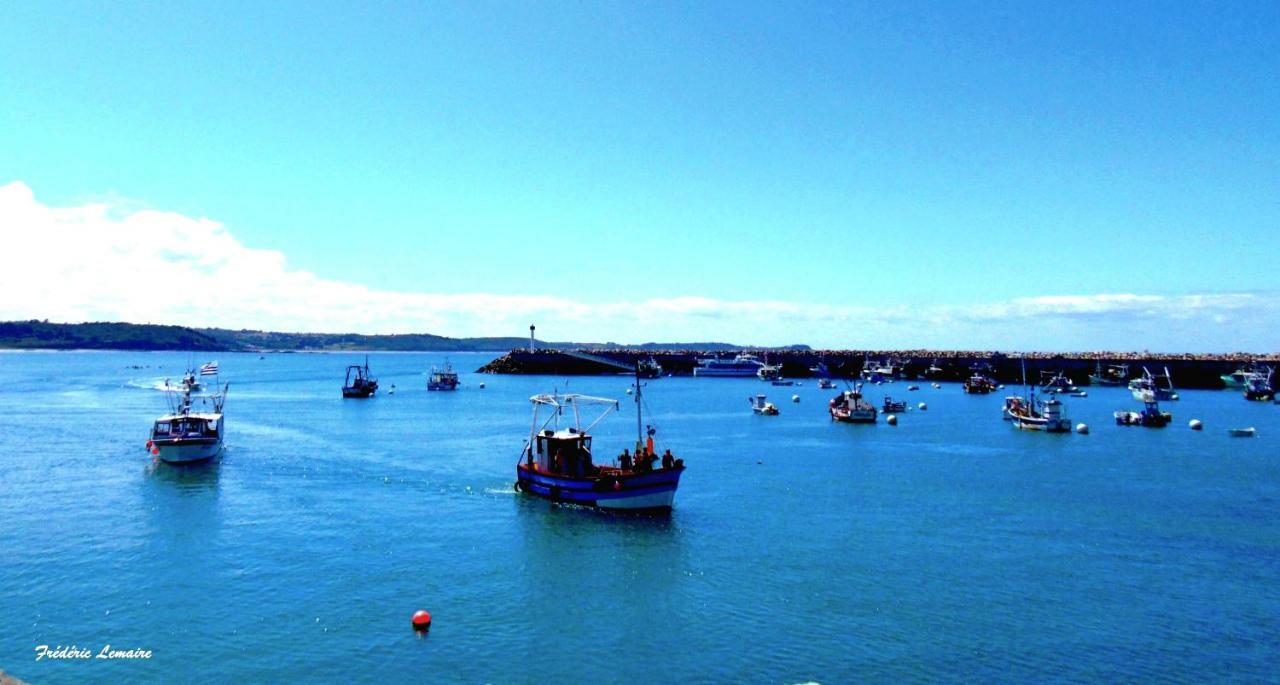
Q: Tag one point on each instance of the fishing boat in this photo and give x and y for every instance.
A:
(934, 371)
(1258, 386)
(650, 368)
(762, 407)
(442, 378)
(1011, 403)
(1236, 379)
(1058, 382)
(1039, 415)
(826, 384)
(849, 407)
(558, 463)
(978, 384)
(1160, 386)
(1150, 416)
(879, 372)
(359, 383)
(1242, 432)
(891, 407)
(1112, 374)
(742, 366)
(192, 381)
(193, 429)
(770, 372)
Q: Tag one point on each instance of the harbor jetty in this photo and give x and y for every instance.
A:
(1189, 370)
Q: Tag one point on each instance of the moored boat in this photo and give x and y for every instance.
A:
(1160, 386)
(1257, 385)
(186, 434)
(650, 368)
(891, 407)
(1242, 432)
(358, 382)
(743, 365)
(978, 384)
(443, 378)
(760, 405)
(1011, 403)
(1039, 415)
(558, 463)
(1150, 416)
(826, 384)
(1236, 379)
(770, 372)
(1110, 375)
(1058, 382)
(850, 407)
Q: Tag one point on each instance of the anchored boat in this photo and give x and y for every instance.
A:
(743, 365)
(1160, 386)
(1150, 416)
(978, 384)
(358, 382)
(849, 407)
(443, 378)
(760, 406)
(192, 431)
(558, 463)
(650, 368)
(891, 407)
(1039, 415)
(1112, 374)
(1257, 385)
(1058, 382)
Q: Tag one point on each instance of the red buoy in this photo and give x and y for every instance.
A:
(149, 444)
(421, 620)
(155, 451)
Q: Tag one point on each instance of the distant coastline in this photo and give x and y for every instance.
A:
(44, 335)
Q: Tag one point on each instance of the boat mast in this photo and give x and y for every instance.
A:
(639, 409)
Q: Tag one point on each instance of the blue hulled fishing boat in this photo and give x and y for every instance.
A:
(560, 465)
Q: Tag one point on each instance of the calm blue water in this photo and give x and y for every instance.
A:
(948, 547)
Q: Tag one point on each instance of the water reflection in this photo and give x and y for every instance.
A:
(189, 479)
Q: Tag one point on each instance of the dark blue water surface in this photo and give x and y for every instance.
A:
(947, 547)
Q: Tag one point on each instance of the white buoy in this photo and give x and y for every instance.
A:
(795, 398)
(922, 406)
(1082, 428)
(891, 420)
(1195, 424)
(628, 391)
(937, 385)
(482, 386)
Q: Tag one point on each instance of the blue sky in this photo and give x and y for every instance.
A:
(879, 155)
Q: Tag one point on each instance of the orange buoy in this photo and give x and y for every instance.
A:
(421, 620)
(155, 451)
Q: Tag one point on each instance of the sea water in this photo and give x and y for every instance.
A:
(947, 547)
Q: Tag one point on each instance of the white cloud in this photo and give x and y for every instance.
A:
(110, 262)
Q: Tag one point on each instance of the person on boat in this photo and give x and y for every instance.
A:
(624, 462)
(668, 460)
(649, 458)
(648, 445)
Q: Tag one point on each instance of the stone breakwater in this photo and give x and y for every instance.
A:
(1188, 370)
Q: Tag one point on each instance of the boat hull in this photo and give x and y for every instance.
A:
(442, 386)
(187, 451)
(654, 490)
(1041, 424)
(725, 373)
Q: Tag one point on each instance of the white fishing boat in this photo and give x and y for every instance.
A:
(193, 430)
(1160, 386)
(850, 407)
(1039, 415)
(1011, 403)
(770, 372)
(760, 406)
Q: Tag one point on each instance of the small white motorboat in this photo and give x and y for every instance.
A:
(1242, 432)
(760, 406)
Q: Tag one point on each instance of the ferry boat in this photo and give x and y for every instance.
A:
(743, 366)
(760, 406)
(1113, 374)
(443, 378)
(187, 434)
(1150, 416)
(1160, 386)
(358, 382)
(558, 463)
(1258, 387)
(849, 407)
(978, 384)
(1039, 415)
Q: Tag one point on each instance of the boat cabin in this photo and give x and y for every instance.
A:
(564, 452)
(187, 427)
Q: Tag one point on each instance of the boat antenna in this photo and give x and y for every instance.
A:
(639, 409)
